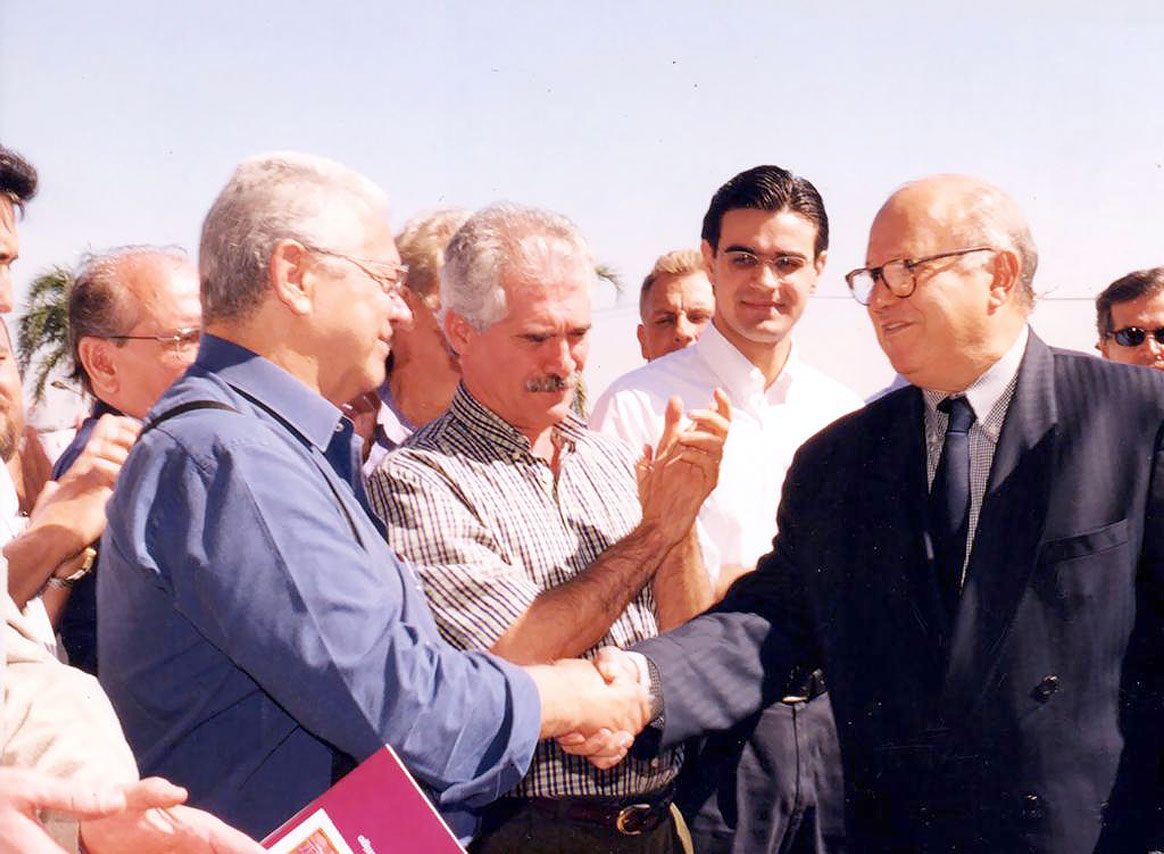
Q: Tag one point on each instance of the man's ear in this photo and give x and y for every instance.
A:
(641, 332)
(98, 366)
(708, 260)
(1007, 271)
(291, 274)
(818, 264)
(459, 332)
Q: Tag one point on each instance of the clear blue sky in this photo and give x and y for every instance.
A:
(624, 116)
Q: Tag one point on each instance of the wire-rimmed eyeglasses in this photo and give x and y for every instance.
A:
(181, 342)
(898, 275)
(392, 283)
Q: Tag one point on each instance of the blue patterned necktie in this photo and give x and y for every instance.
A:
(950, 500)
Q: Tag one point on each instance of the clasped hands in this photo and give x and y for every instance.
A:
(611, 705)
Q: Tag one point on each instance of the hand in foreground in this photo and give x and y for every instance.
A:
(154, 821)
(77, 501)
(617, 670)
(681, 471)
(24, 792)
(601, 716)
(70, 513)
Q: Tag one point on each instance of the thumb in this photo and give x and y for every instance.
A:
(153, 792)
(723, 404)
(611, 663)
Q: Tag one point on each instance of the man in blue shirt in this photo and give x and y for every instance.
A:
(256, 635)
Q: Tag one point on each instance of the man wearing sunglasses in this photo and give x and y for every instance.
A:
(976, 561)
(1130, 317)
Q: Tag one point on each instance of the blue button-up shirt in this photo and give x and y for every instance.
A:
(253, 620)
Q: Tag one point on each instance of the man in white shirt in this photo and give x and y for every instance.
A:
(675, 303)
(765, 244)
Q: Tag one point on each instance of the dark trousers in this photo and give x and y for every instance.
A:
(771, 785)
(513, 827)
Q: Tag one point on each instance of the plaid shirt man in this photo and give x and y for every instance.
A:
(490, 528)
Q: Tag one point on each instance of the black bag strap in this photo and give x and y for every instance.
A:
(191, 405)
(341, 763)
(182, 408)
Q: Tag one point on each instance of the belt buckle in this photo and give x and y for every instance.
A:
(631, 819)
(793, 699)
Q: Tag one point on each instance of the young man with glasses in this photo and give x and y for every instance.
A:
(1129, 315)
(765, 244)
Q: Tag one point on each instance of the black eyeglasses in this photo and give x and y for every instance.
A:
(1134, 336)
(181, 342)
(898, 275)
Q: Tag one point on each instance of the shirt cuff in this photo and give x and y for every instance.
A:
(649, 679)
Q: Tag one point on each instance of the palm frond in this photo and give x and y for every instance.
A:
(43, 334)
(608, 273)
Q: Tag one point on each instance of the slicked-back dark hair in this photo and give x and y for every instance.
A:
(767, 188)
(17, 178)
(1125, 289)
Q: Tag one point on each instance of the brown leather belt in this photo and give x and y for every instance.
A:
(628, 816)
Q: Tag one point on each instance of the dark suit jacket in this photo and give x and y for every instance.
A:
(1028, 721)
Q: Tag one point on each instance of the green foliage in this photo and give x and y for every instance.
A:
(43, 337)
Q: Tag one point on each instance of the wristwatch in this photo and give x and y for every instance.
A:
(87, 556)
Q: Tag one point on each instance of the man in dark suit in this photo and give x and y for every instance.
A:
(979, 577)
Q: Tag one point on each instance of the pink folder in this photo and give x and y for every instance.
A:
(377, 808)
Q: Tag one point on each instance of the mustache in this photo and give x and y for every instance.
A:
(552, 382)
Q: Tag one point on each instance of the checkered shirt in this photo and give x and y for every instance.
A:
(983, 437)
(490, 528)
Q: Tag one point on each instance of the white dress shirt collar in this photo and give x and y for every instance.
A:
(738, 376)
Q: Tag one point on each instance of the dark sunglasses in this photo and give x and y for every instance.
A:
(1133, 336)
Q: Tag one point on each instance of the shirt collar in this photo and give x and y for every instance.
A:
(985, 392)
(490, 426)
(310, 414)
(739, 377)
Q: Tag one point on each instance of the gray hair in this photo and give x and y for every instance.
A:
(98, 303)
(422, 244)
(269, 198)
(502, 240)
(995, 218)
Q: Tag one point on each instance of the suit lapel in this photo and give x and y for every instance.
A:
(896, 523)
(1009, 529)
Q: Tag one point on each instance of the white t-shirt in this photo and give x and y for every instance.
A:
(738, 521)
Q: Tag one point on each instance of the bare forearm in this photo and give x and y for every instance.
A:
(569, 619)
(682, 588)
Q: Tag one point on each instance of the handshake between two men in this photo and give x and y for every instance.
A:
(595, 709)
